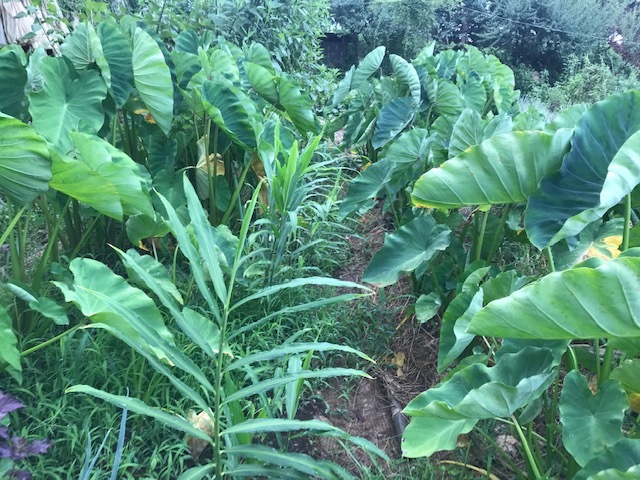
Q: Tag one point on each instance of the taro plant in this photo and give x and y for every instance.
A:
(576, 181)
(228, 390)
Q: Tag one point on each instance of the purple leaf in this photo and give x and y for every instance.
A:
(18, 448)
(20, 475)
(4, 433)
(8, 404)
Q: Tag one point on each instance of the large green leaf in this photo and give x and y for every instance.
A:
(406, 249)
(503, 169)
(393, 118)
(118, 53)
(105, 297)
(25, 162)
(591, 423)
(578, 303)
(445, 98)
(623, 456)
(367, 67)
(425, 436)
(467, 132)
(231, 109)
(479, 392)
(9, 352)
(601, 168)
(406, 73)
(262, 81)
(297, 104)
(365, 187)
(83, 48)
(13, 78)
(68, 102)
(152, 78)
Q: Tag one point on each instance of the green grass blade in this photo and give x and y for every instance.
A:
(138, 406)
(264, 425)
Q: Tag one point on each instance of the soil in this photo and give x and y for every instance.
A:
(372, 408)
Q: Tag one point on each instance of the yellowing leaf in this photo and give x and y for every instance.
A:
(146, 114)
(202, 421)
(607, 248)
(365, 166)
(634, 401)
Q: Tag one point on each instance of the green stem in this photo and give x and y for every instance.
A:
(51, 243)
(527, 449)
(85, 236)
(236, 193)
(480, 239)
(12, 224)
(552, 265)
(51, 340)
(627, 223)
(607, 364)
(596, 354)
(493, 250)
(573, 363)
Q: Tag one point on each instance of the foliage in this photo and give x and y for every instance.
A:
(14, 449)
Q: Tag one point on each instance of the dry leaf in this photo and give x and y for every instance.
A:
(202, 421)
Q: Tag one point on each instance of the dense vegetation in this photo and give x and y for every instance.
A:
(181, 184)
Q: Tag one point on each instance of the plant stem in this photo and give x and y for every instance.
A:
(527, 449)
(52, 241)
(480, 239)
(235, 194)
(607, 364)
(552, 265)
(12, 224)
(627, 223)
(51, 340)
(498, 236)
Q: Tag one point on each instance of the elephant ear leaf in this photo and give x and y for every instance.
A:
(406, 249)
(602, 167)
(13, 78)
(503, 169)
(68, 102)
(118, 54)
(578, 303)
(591, 423)
(25, 162)
(152, 78)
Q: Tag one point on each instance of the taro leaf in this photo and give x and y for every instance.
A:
(406, 73)
(479, 392)
(504, 96)
(67, 102)
(406, 249)
(567, 118)
(367, 67)
(50, 309)
(427, 435)
(601, 168)
(25, 161)
(343, 88)
(118, 53)
(410, 147)
(76, 179)
(591, 423)
(365, 187)
(503, 285)
(188, 42)
(143, 226)
(153, 268)
(498, 125)
(474, 94)
(503, 169)
(622, 456)
(262, 81)
(445, 97)
(628, 374)
(231, 109)
(614, 474)
(578, 303)
(598, 239)
(297, 104)
(152, 78)
(9, 352)
(530, 119)
(393, 118)
(118, 169)
(258, 54)
(107, 298)
(186, 66)
(467, 132)
(428, 306)
(13, 78)
(454, 338)
(83, 48)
